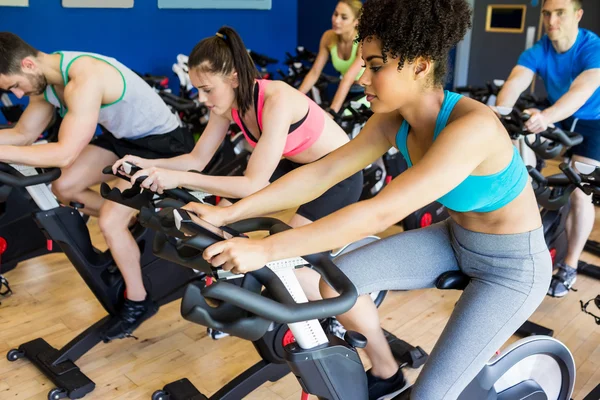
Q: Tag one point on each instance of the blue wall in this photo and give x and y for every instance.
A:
(314, 18)
(146, 38)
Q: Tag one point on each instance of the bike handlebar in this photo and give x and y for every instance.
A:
(10, 176)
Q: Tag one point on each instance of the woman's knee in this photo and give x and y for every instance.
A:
(327, 292)
(580, 199)
(64, 188)
(114, 219)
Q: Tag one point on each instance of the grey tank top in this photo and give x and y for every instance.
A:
(137, 113)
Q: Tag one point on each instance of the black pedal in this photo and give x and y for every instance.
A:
(182, 389)
(76, 205)
(405, 353)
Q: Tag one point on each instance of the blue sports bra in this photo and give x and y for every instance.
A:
(478, 193)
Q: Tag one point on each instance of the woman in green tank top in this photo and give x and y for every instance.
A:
(345, 52)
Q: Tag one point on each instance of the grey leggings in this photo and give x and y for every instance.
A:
(510, 275)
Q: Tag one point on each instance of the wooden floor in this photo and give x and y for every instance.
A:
(50, 300)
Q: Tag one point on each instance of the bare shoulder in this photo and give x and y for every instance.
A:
(474, 130)
(85, 67)
(281, 91)
(93, 69)
(277, 89)
(476, 118)
(283, 100)
(97, 75)
(329, 39)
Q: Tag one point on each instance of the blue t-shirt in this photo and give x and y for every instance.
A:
(560, 70)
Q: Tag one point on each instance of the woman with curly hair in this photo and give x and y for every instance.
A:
(339, 43)
(460, 155)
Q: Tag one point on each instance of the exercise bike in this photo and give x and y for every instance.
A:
(488, 94)
(298, 66)
(269, 343)
(327, 366)
(587, 180)
(64, 225)
(20, 237)
(546, 145)
(144, 199)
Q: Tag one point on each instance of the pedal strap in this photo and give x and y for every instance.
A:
(560, 279)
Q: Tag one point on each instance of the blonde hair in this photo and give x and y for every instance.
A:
(355, 5)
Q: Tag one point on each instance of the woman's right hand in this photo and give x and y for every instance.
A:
(135, 160)
(216, 216)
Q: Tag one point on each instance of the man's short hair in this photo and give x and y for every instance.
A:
(13, 50)
(578, 4)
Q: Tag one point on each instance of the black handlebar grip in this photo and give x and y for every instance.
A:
(537, 176)
(11, 177)
(570, 173)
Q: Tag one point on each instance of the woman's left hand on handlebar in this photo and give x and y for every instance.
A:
(238, 255)
(157, 179)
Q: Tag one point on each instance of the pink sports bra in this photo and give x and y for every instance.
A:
(301, 134)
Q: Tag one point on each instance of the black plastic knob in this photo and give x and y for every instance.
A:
(355, 339)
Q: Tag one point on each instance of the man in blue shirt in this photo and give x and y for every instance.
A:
(568, 60)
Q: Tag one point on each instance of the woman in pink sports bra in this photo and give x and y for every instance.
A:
(277, 120)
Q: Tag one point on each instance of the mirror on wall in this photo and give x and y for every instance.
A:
(505, 18)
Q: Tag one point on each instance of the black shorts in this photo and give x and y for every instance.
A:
(174, 143)
(590, 130)
(337, 197)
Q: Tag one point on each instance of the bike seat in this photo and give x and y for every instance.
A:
(452, 280)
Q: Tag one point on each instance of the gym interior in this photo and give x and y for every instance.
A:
(152, 248)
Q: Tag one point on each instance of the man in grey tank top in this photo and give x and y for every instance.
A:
(89, 90)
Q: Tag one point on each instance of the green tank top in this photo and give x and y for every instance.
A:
(137, 113)
(342, 66)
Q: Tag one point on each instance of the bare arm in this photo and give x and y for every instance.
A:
(277, 117)
(442, 168)
(519, 80)
(582, 88)
(313, 75)
(83, 97)
(32, 123)
(347, 82)
(203, 151)
(312, 180)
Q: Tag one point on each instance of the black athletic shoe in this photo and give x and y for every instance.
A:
(131, 317)
(385, 388)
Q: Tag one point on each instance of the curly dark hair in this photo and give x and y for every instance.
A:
(409, 29)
